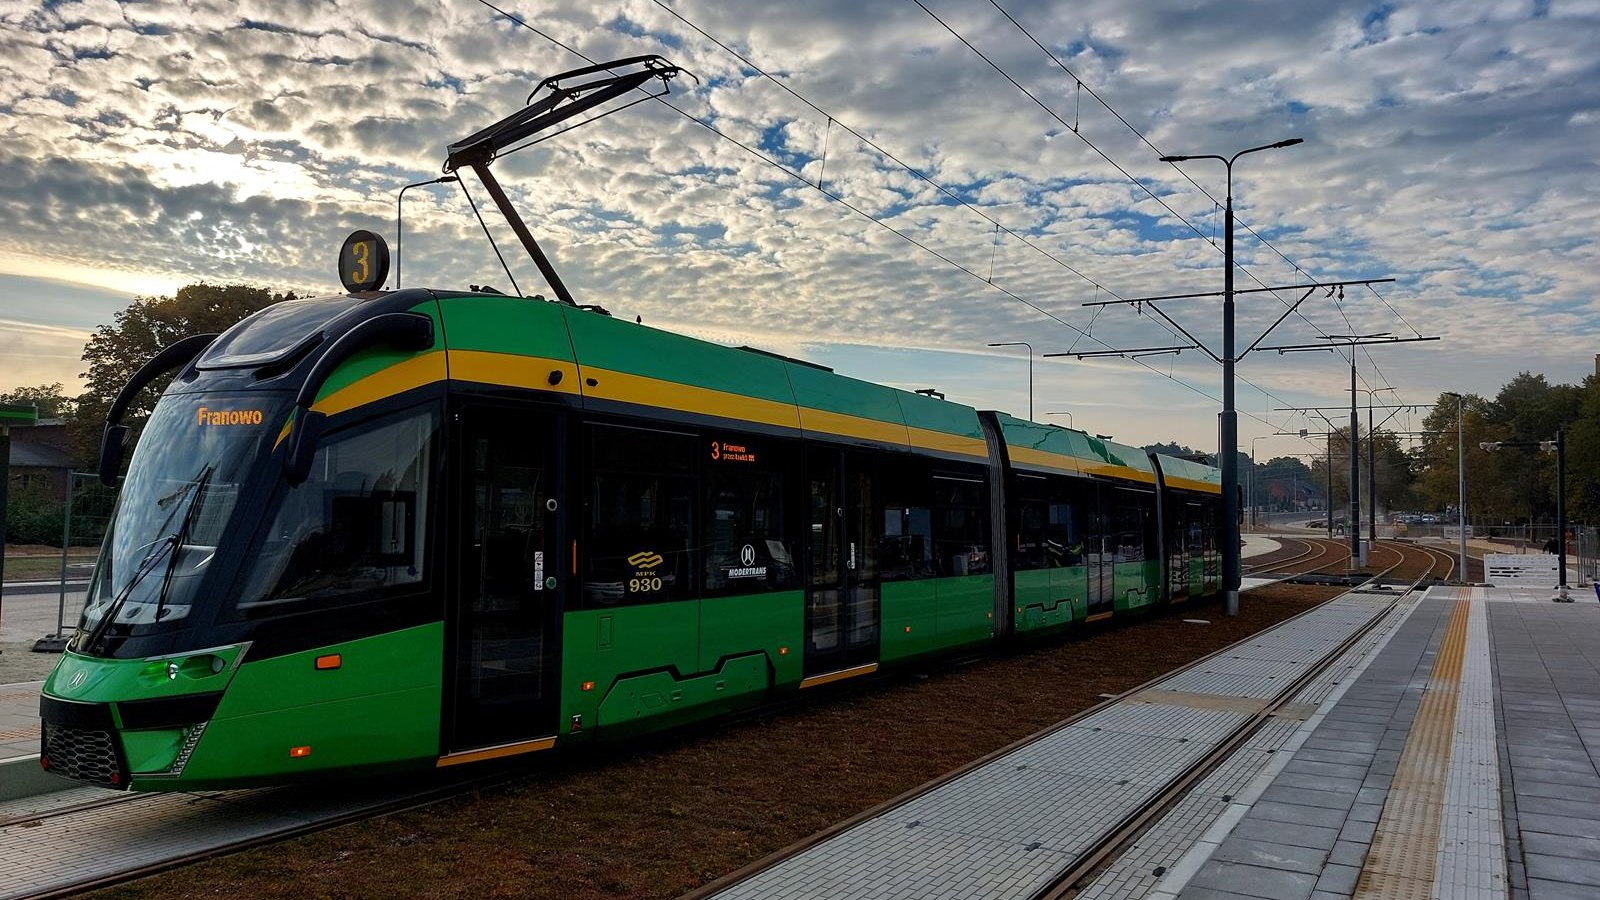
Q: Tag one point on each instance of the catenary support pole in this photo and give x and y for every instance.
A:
(5, 484)
(1357, 557)
(1461, 485)
(1372, 478)
(1229, 449)
(1561, 506)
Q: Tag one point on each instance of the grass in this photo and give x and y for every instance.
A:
(658, 820)
(44, 563)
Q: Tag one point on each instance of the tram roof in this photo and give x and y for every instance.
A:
(607, 363)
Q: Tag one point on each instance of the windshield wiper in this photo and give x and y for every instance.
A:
(146, 566)
(182, 537)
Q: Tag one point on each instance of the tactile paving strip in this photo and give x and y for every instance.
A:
(1150, 861)
(1406, 843)
(1010, 827)
(1471, 860)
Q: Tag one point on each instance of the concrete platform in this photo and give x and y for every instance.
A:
(1014, 825)
(1451, 750)
(19, 719)
(1463, 763)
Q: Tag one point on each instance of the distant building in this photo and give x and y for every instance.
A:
(41, 459)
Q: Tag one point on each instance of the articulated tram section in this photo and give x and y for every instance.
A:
(1408, 738)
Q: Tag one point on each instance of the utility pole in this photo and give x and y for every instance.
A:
(1461, 488)
(1228, 449)
(1329, 502)
(1561, 507)
(1372, 473)
(1358, 553)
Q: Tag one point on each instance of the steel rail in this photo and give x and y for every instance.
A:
(1136, 822)
(1309, 549)
(1320, 548)
(45, 815)
(749, 870)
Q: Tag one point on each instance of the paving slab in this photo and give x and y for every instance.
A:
(1012, 826)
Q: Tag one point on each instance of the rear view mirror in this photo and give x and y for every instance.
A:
(112, 444)
(115, 439)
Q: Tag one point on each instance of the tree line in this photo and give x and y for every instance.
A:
(111, 356)
(1507, 486)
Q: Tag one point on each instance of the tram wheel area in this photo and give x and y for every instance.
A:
(661, 819)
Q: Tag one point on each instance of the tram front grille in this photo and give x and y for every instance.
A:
(82, 754)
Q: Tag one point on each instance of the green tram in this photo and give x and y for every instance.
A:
(420, 528)
(398, 530)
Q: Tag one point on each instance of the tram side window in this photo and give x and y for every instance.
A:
(1032, 540)
(905, 552)
(749, 540)
(639, 521)
(1196, 541)
(1129, 526)
(356, 526)
(1063, 536)
(960, 525)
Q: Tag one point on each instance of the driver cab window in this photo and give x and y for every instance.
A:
(357, 525)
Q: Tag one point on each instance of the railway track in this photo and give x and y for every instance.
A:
(1090, 863)
(1136, 822)
(1313, 556)
(413, 798)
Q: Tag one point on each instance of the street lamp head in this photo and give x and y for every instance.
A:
(1288, 143)
(1172, 159)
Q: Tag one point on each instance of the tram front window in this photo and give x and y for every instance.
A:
(180, 494)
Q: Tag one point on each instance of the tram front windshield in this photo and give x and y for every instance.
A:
(180, 494)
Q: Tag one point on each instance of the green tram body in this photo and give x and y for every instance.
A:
(552, 526)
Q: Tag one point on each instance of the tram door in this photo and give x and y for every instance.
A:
(1099, 554)
(842, 583)
(504, 639)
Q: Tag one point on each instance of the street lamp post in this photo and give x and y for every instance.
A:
(399, 222)
(1461, 483)
(1250, 482)
(1229, 449)
(1030, 369)
(1063, 413)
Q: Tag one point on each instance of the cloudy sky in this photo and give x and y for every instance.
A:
(1449, 145)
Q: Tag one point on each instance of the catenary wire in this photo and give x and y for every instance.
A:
(1377, 370)
(834, 120)
(869, 217)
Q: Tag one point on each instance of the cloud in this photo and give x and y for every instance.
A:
(1447, 144)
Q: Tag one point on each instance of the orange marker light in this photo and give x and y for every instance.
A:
(908, 629)
(588, 685)
(783, 651)
(297, 752)
(331, 661)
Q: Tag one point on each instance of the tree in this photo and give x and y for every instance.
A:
(51, 399)
(116, 351)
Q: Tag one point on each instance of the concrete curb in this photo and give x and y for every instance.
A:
(20, 776)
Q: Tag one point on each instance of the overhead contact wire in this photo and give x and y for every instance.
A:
(869, 217)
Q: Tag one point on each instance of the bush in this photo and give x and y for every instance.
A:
(33, 516)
